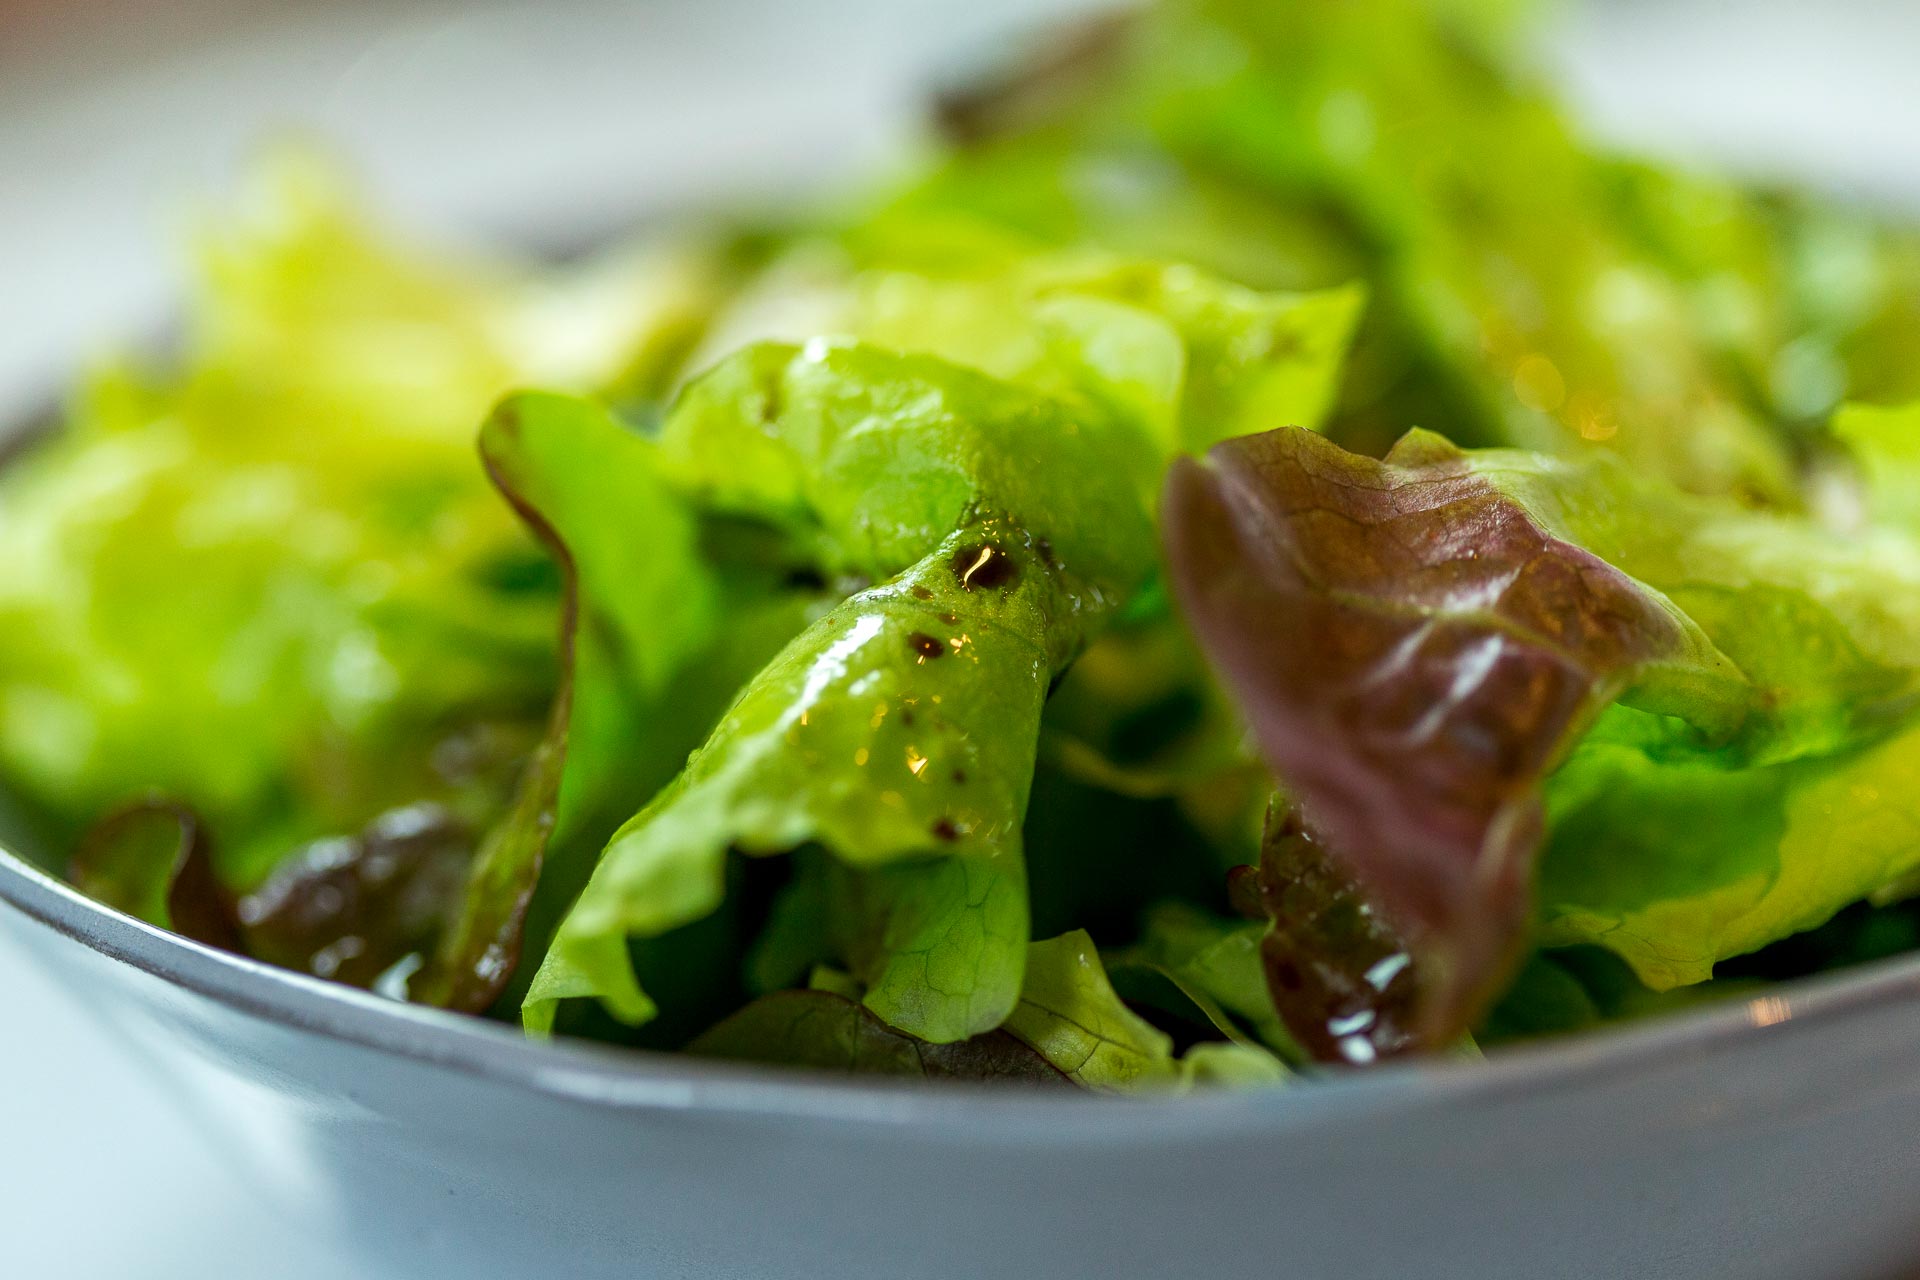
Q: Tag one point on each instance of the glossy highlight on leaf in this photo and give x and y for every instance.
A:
(912, 774)
(1414, 653)
(350, 908)
(1337, 970)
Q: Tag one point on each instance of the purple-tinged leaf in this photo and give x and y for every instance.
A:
(1339, 973)
(1414, 652)
(351, 907)
(149, 859)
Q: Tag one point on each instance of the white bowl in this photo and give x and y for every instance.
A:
(1754, 1140)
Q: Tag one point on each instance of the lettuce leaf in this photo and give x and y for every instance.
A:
(1441, 652)
(639, 604)
(898, 732)
(1002, 487)
(1502, 243)
(1825, 629)
(1822, 626)
(1341, 974)
(814, 606)
(1770, 851)
(1193, 356)
(1070, 1012)
(1524, 289)
(266, 577)
(1019, 520)
(363, 908)
(1885, 443)
(1214, 966)
(824, 1031)
(150, 860)
(871, 457)
(1456, 624)
(1069, 1025)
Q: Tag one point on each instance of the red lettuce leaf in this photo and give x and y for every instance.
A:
(351, 907)
(481, 947)
(1414, 653)
(150, 859)
(1339, 972)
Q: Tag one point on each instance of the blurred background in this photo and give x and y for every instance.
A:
(534, 122)
(548, 124)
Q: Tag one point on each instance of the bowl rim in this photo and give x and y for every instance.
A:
(628, 1080)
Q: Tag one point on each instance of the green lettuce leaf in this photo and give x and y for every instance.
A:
(1544, 998)
(825, 1031)
(1194, 357)
(1191, 357)
(1577, 988)
(899, 733)
(1070, 1013)
(1768, 852)
(1215, 966)
(639, 604)
(1886, 444)
(1525, 289)
(1822, 627)
(870, 458)
(1143, 753)
(1032, 484)
(1501, 242)
(1069, 1024)
(1787, 787)
(1225, 1064)
(266, 577)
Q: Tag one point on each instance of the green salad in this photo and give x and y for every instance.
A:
(1264, 551)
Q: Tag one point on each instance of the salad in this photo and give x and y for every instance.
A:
(1263, 552)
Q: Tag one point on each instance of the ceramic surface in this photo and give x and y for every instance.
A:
(1766, 1139)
